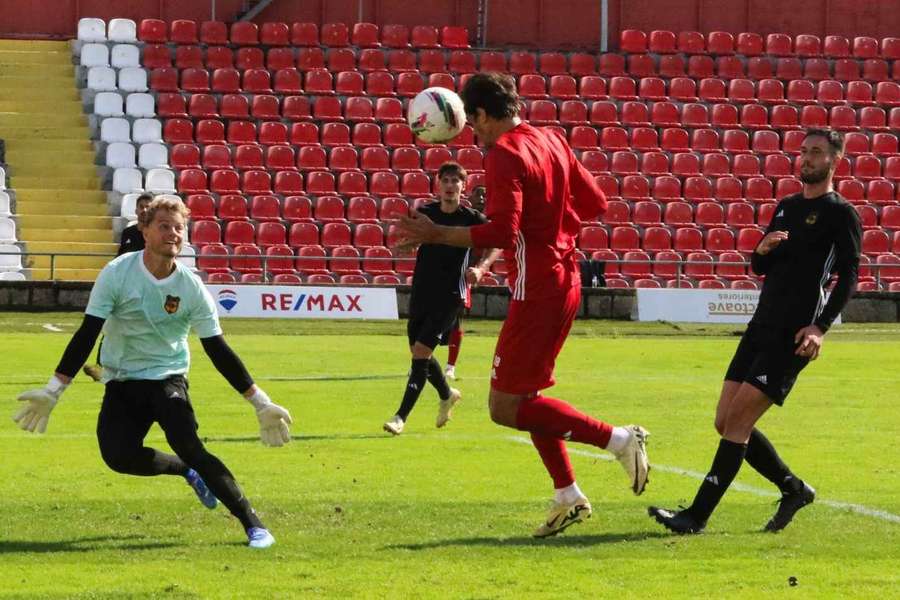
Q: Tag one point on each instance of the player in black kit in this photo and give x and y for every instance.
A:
(813, 234)
(132, 240)
(438, 290)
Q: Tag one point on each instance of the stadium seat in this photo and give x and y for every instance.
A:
(729, 189)
(846, 69)
(641, 65)
(634, 114)
(875, 242)
(736, 141)
(493, 61)
(217, 57)
(755, 116)
(623, 238)
(759, 189)
(729, 67)
(785, 117)
(867, 167)
(319, 183)
(722, 43)
(760, 67)
(875, 70)
(739, 215)
(720, 239)
(705, 140)
(375, 158)
(741, 91)
(618, 212)
(311, 158)
(672, 65)
(712, 90)
(777, 166)
(398, 134)
(675, 139)
(595, 238)
(865, 47)
(635, 187)
(709, 214)
(622, 88)
(309, 59)
(637, 265)
(633, 41)
(335, 235)
(224, 81)
(716, 164)
(592, 87)
(249, 58)
(700, 67)
(779, 44)
(683, 89)
(856, 143)
(688, 239)
(685, 164)
(766, 142)
(678, 213)
(801, 92)
(648, 214)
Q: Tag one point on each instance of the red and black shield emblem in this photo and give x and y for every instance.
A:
(172, 304)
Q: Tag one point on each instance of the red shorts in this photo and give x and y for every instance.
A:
(532, 336)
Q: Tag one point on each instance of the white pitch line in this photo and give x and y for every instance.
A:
(875, 513)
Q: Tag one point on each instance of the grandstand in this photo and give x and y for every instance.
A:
(288, 142)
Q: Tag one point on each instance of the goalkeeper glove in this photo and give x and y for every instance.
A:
(273, 419)
(34, 415)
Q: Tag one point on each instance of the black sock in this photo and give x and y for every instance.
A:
(761, 455)
(417, 375)
(437, 379)
(724, 468)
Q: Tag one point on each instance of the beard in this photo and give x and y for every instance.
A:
(812, 177)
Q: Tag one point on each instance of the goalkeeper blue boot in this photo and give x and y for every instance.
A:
(196, 482)
(259, 537)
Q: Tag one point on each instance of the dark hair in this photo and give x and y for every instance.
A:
(495, 93)
(452, 168)
(834, 138)
(145, 197)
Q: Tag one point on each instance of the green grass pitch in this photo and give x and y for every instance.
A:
(448, 513)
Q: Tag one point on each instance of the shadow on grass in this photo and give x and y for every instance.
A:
(301, 438)
(84, 544)
(563, 540)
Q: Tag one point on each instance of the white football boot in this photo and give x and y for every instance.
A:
(633, 458)
(445, 408)
(394, 425)
(562, 515)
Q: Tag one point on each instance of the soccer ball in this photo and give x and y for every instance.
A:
(436, 115)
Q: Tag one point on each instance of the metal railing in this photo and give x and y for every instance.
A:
(711, 268)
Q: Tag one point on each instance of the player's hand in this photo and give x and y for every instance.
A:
(810, 342)
(474, 275)
(273, 419)
(35, 414)
(417, 229)
(768, 243)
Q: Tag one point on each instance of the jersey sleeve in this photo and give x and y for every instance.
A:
(504, 206)
(847, 245)
(104, 294)
(204, 317)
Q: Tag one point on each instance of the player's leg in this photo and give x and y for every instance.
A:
(530, 340)
(453, 346)
(175, 415)
(123, 422)
(745, 408)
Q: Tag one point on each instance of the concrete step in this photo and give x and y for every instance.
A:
(29, 222)
(23, 168)
(93, 236)
(66, 262)
(28, 208)
(54, 182)
(9, 68)
(40, 134)
(49, 157)
(63, 274)
(108, 248)
(63, 106)
(48, 147)
(41, 119)
(65, 92)
(73, 195)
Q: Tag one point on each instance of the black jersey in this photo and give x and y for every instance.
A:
(824, 236)
(439, 276)
(132, 240)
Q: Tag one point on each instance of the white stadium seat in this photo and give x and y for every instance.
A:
(2, 178)
(10, 257)
(133, 79)
(7, 230)
(108, 104)
(151, 156)
(101, 79)
(146, 130)
(122, 30)
(187, 257)
(129, 206)
(120, 155)
(4, 204)
(126, 181)
(91, 30)
(94, 55)
(160, 181)
(122, 55)
(12, 276)
(140, 105)
(115, 129)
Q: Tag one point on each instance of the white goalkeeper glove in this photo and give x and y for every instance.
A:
(273, 419)
(34, 415)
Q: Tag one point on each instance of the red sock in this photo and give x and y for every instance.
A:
(453, 347)
(555, 418)
(556, 459)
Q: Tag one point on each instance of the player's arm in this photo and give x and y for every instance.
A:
(273, 419)
(847, 244)
(482, 265)
(34, 415)
(769, 247)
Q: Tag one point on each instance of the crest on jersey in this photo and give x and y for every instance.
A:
(172, 303)
(812, 218)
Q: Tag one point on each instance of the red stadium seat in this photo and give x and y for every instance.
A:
(741, 91)
(667, 188)
(493, 61)
(335, 234)
(880, 191)
(672, 65)
(801, 92)
(748, 238)
(675, 139)
(712, 90)
(592, 87)
(729, 189)
(678, 213)
(633, 41)
(635, 187)
(213, 33)
(622, 88)
(867, 167)
(183, 31)
(655, 163)
(865, 47)
(663, 42)
(203, 106)
(698, 189)
(594, 238)
(522, 62)
(217, 156)
(779, 44)
(856, 143)
(760, 67)
(720, 239)
(649, 214)
(710, 214)
(265, 107)
(785, 117)
(235, 106)
(688, 239)
(720, 42)
(730, 266)
(618, 212)
(395, 36)
(729, 67)
(766, 142)
(875, 241)
(759, 190)
(830, 92)
(192, 181)
(641, 65)
(170, 105)
(217, 57)
(249, 58)
(777, 166)
(685, 164)
(746, 165)
(185, 156)
(213, 260)
(624, 163)
(716, 164)
(739, 214)
(736, 141)
(683, 89)
(362, 209)
(178, 131)
(700, 67)
(352, 183)
(876, 70)
(691, 42)
(890, 217)
(755, 116)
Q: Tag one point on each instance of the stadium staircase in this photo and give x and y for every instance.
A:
(59, 203)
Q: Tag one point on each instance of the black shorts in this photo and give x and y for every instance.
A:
(445, 338)
(131, 407)
(432, 326)
(765, 359)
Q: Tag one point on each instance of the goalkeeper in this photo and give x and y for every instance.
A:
(146, 302)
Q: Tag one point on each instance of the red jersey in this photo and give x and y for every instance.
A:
(538, 194)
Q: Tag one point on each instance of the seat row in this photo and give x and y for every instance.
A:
(658, 238)
(299, 209)
(753, 44)
(297, 278)
(247, 33)
(312, 158)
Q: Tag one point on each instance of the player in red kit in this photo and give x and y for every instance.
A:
(538, 195)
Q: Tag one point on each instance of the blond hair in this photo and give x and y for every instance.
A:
(166, 202)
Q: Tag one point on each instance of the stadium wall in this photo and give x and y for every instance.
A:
(596, 303)
(535, 23)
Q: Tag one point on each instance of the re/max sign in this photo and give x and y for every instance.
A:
(311, 302)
